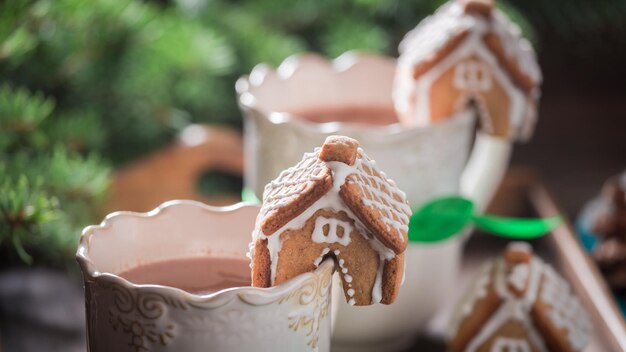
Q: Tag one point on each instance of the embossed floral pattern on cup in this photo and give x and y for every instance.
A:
(123, 316)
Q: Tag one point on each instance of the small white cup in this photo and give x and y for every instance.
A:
(425, 163)
(123, 316)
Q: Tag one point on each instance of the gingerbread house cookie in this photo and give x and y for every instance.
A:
(607, 220)
(468, 52)
(519, 303)
(334, 203)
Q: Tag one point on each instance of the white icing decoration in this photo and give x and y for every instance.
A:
(476, 292)
(472, 76)
(523, 247)
(473, 45)
(274, 244)
(383, 252)
(281, 191)
(512, 307)
(393, 207)
(381, 193)
(347, 278)
(566, 312)
(328, 201)
(319, 259)
(340, 172)
(508, 310)
(351, 301)
(249, 254)
(507, 344)
(519, 276)
(433, 32)
(333, 235)
(412, 96)
(516, 46)
(351, 292)
(377, 294)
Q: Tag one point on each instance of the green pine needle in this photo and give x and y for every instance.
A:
(21, 113)
(24, 207)
(91, 85)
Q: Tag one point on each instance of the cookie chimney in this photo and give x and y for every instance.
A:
(481, 7)
(339, 148)
(517, 253)
(517, 257)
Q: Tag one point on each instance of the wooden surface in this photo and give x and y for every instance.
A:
(586, 280)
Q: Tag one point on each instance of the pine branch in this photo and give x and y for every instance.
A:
(23, 208)
(78, 131)
(21, 113)
(73, 177)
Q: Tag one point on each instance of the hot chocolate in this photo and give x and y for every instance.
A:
(202, 275)
(371, 115)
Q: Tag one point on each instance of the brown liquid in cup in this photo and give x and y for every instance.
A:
(369, 115)
(195, 275)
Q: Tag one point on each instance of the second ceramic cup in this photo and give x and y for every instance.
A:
(424, 162)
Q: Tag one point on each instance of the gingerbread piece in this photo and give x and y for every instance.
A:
(519, 303)
(360, 221)
(482, 7)
(305, 183)
(423, 67)
(468, 54)
(339, 148)
(518, 252)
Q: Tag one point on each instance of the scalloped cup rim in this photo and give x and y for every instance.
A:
(340, 64)
(89, 269)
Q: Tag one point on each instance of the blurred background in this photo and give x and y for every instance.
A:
(93, 93)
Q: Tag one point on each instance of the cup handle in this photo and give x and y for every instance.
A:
(173, 171)
(485, 168)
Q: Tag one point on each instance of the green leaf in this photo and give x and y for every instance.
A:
(440, 219)
(516, 228)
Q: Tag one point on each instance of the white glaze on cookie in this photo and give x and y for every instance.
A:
(519, 276)
(566, 311)
(507, 344)
(476, 292)
(538, 282)
(332, 235)
(421, 45)
(388, 200)
(381, 194)
(319, 259)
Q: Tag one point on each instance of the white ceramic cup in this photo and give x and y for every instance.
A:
(122, 316)
(425, 163)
